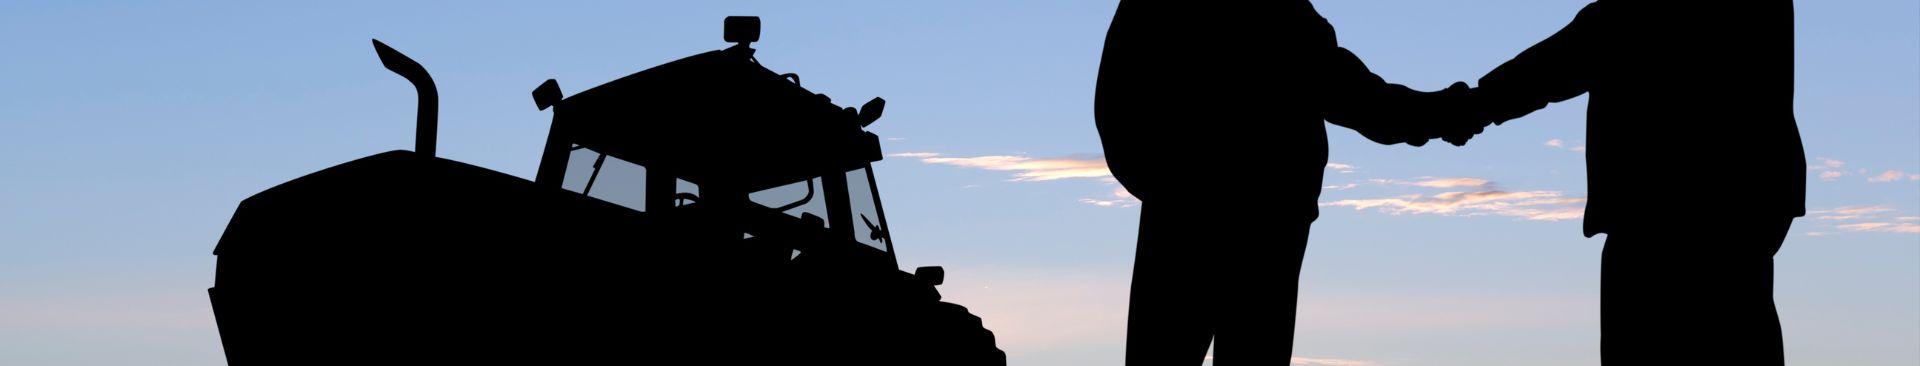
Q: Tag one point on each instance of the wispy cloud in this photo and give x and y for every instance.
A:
(1563, 145)
(1893, 175)
(1528, 205)
(1451, 182)
(1343, 168)
(1431, 182)
(1832, 169)
(1849, 212)
(1029, 169)
(1025, 169)
(1829, 169)
(1825, 163)
(916, 155)
(1900, 227)
(1861, 219)
(1121, 198)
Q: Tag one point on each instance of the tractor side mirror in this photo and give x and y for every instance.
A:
(871, 111)
(932, 275)
(743, 29)
(547, 94)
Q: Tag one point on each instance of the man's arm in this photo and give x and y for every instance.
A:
(1123, 111)
(1558, 68)
(1384, 112)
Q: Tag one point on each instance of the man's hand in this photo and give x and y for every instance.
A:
(1459, 118)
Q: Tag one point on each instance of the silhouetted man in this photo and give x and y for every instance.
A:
(1210, 113)
(1682, 94)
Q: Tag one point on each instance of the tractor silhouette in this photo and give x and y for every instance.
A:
(707, 210)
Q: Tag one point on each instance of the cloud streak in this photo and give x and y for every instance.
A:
(1861, 219)
(1891, 227)
(1025, 169)
(1829, 169)
(1893, 176)
(1029, 169)
(1527, 205)
(1451, 183)
(1562, 145)
(1343, 168)
(1121, 199)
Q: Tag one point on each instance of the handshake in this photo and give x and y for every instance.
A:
(1454, 115)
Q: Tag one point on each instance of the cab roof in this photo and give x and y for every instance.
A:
(718, 119)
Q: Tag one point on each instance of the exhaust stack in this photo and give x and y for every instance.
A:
(428, 121)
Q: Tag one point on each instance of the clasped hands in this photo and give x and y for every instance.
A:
(1454, 115)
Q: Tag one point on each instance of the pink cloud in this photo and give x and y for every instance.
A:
(1121, 198)
(1902, 227)
(1528, 205)
(1893, 175)
(1430, 182)
(1339, 187)
(1848, 212)
(1558, 144)
(1026, 169)
(1826, 164)
(1451, 182)
(1862, 219)
(1829, 169)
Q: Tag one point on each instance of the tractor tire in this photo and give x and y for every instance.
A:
(955, 337)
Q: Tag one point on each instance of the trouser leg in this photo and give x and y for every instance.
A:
(1693, 295)
(1168, 304)
(1260, 289)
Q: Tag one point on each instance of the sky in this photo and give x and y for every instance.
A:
(129, 131)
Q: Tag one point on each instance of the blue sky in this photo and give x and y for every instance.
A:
(129, 132)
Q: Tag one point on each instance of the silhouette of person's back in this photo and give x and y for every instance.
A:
(1681, 93)
(1211, 114)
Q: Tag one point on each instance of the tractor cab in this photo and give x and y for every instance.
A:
(718, 129)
